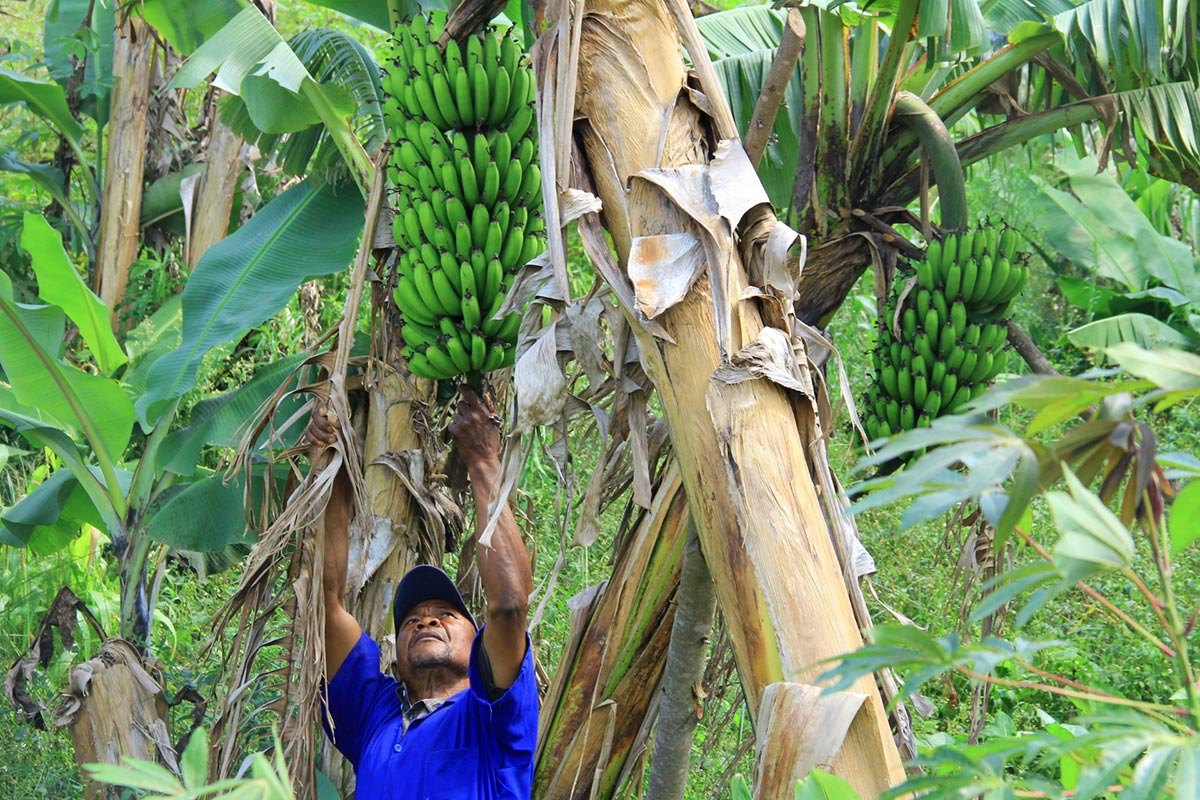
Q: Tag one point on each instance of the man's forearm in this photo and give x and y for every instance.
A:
(504, 567)
(337, 542)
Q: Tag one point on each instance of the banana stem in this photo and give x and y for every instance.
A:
(1001, 137)
(943, 157)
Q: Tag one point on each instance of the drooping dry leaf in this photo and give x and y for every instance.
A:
(541, 387)
(734, 182)
(663, 269)
(770, 356)
(574, 203)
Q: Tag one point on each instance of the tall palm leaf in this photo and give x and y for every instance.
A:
(1129, 69)
(333, 58)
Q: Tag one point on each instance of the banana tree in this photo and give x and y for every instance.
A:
(147, 498)
(859, 128)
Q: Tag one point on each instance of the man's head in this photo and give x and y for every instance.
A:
(434, 629)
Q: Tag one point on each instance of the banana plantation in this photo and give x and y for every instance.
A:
(845, 355)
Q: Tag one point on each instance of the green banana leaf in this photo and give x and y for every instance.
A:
(333, 58)
(153, 338)
(203, 516)
(63, 33)
(1097, 225)
(44, 98)
(60, 284)
(250, 57)
(52, 515)
(374, 12)
(43, 435)
(217, 420)
(187, 24)
(48, 177)
(1137, 328)
(242, 281)
(162, 199)
(1164, 258)
(742, 44)
(89, 405)
(1170, 370)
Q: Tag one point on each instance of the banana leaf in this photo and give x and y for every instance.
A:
(1139, 329)
(206, 515)
(60, 284)
(87, 405)
(53, 514)
(306, 232)
(44, 98)
(64, 27)
(217, 420)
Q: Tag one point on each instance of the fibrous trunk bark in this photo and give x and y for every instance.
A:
(601, 704)
(742, 457)
(212, 202)
(682, 694)
(121, 204)
(114, 709)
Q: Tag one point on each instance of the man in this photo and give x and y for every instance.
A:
(459, 719)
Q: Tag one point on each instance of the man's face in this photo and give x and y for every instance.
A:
(433, 635)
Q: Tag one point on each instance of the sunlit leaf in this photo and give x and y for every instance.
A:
(193, 762)
(820, 785)
(1171, 370)
(1140, 329)
(137, 775)
(1185, 518)
(60, 283)
(1091, 536)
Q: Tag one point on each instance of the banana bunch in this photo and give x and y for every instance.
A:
(951, 330)
(466, 193)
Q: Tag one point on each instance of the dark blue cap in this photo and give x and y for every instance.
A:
(426, 582)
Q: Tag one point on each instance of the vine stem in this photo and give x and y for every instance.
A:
(1151, 708)
(1087, 589)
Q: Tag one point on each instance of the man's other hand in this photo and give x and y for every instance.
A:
(475, 430)
(323, 425)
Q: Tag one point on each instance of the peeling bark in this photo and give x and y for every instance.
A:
(742, 458)
(212, 203)
(121, 205)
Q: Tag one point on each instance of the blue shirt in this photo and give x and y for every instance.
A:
(468, 748)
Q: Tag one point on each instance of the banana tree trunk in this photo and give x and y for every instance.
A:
(741, 454)
(121, 205)
(114, 709)
(601, 704)
(212, 203)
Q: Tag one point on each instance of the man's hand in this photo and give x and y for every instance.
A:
(323, 425)
(503, 567)
(476, 431)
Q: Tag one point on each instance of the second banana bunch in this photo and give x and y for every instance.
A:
(951, 330)
(466, 192)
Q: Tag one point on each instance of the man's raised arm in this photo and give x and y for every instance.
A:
(504, 567)
(342, 631)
